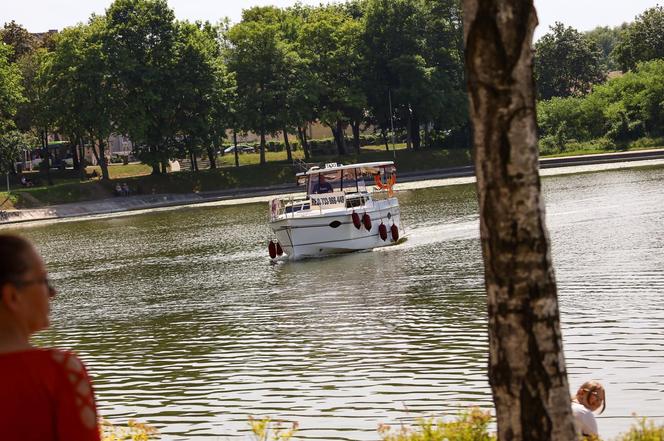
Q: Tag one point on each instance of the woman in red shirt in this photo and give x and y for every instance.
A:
(45, 394)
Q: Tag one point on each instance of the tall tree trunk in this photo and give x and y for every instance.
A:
(341, 138)
(302, 133)
(73, 150)
(194, 161)
(156, 164)
(409, 129)
(356, 135)
(46, 156)
(383, 133)
(262, 148)
(212, 157)
(81, 150)
(526, 362)
(289, 154)
(237, 154)
(102, 160)
(415, 130)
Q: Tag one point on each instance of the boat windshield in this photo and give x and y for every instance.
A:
(349, 180)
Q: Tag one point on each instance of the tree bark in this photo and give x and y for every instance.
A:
(102, 160)
(415, 130)
(47, 156)
(526, 362)
(302, 133)
(289, 154)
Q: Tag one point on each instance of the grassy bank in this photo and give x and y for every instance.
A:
(277, 170)
(68, 187)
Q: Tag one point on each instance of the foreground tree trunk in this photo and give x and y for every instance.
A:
(526, 363)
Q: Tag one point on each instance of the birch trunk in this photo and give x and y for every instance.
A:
(526, 363)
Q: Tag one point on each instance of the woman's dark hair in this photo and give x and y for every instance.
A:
(14, 260)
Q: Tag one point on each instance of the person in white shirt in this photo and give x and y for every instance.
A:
(590, 397)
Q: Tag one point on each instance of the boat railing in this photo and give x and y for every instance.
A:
(280, 207)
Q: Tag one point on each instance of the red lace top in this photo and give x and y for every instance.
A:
(46, 395)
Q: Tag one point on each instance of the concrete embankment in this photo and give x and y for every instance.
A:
(549, 166)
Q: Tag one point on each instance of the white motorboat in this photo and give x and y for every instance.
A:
(346, 208)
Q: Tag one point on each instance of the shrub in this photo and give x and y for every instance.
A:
(134, 431)
(264, 430)
(470, 425)
(644, 430)
(647, 142)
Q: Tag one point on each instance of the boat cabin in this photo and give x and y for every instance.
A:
(348, 179)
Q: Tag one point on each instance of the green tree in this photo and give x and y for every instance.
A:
(195, 72)
(34, 113)
(10, 89)
(19, 39)
(641, 40)
(566, 63)
(329, 42)
(258, 57)
(79, 89)
(413, 51)
(140, 43)
(606, 38)
(12, 146)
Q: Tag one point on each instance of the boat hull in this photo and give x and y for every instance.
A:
(317, 233)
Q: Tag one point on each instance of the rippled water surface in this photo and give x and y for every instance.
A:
(185, 323)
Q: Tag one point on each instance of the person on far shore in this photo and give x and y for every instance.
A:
(45, 394)
(588, 399)
(118, 189)
(125, 189)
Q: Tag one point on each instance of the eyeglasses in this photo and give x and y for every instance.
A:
(43, 281)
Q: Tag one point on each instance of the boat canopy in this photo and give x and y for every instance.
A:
(345, 178)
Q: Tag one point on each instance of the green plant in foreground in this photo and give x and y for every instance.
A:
(134, 431)
(644, 430)
(470, 425)
(265, 430)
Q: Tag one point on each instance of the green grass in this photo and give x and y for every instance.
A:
(120, 171)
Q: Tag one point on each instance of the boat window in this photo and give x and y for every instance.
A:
(349, 183)
(325, 182)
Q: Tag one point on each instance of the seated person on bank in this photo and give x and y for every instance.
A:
(322, 186)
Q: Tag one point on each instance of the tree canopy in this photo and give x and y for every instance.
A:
(566, 63)
(641, 40)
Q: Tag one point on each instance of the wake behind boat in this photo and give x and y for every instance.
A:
(346, 208)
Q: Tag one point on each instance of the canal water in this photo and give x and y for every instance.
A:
(185, 324)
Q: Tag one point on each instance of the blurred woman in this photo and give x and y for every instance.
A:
(587, 400)
(45, 394)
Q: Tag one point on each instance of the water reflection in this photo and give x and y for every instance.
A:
(184, 322)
